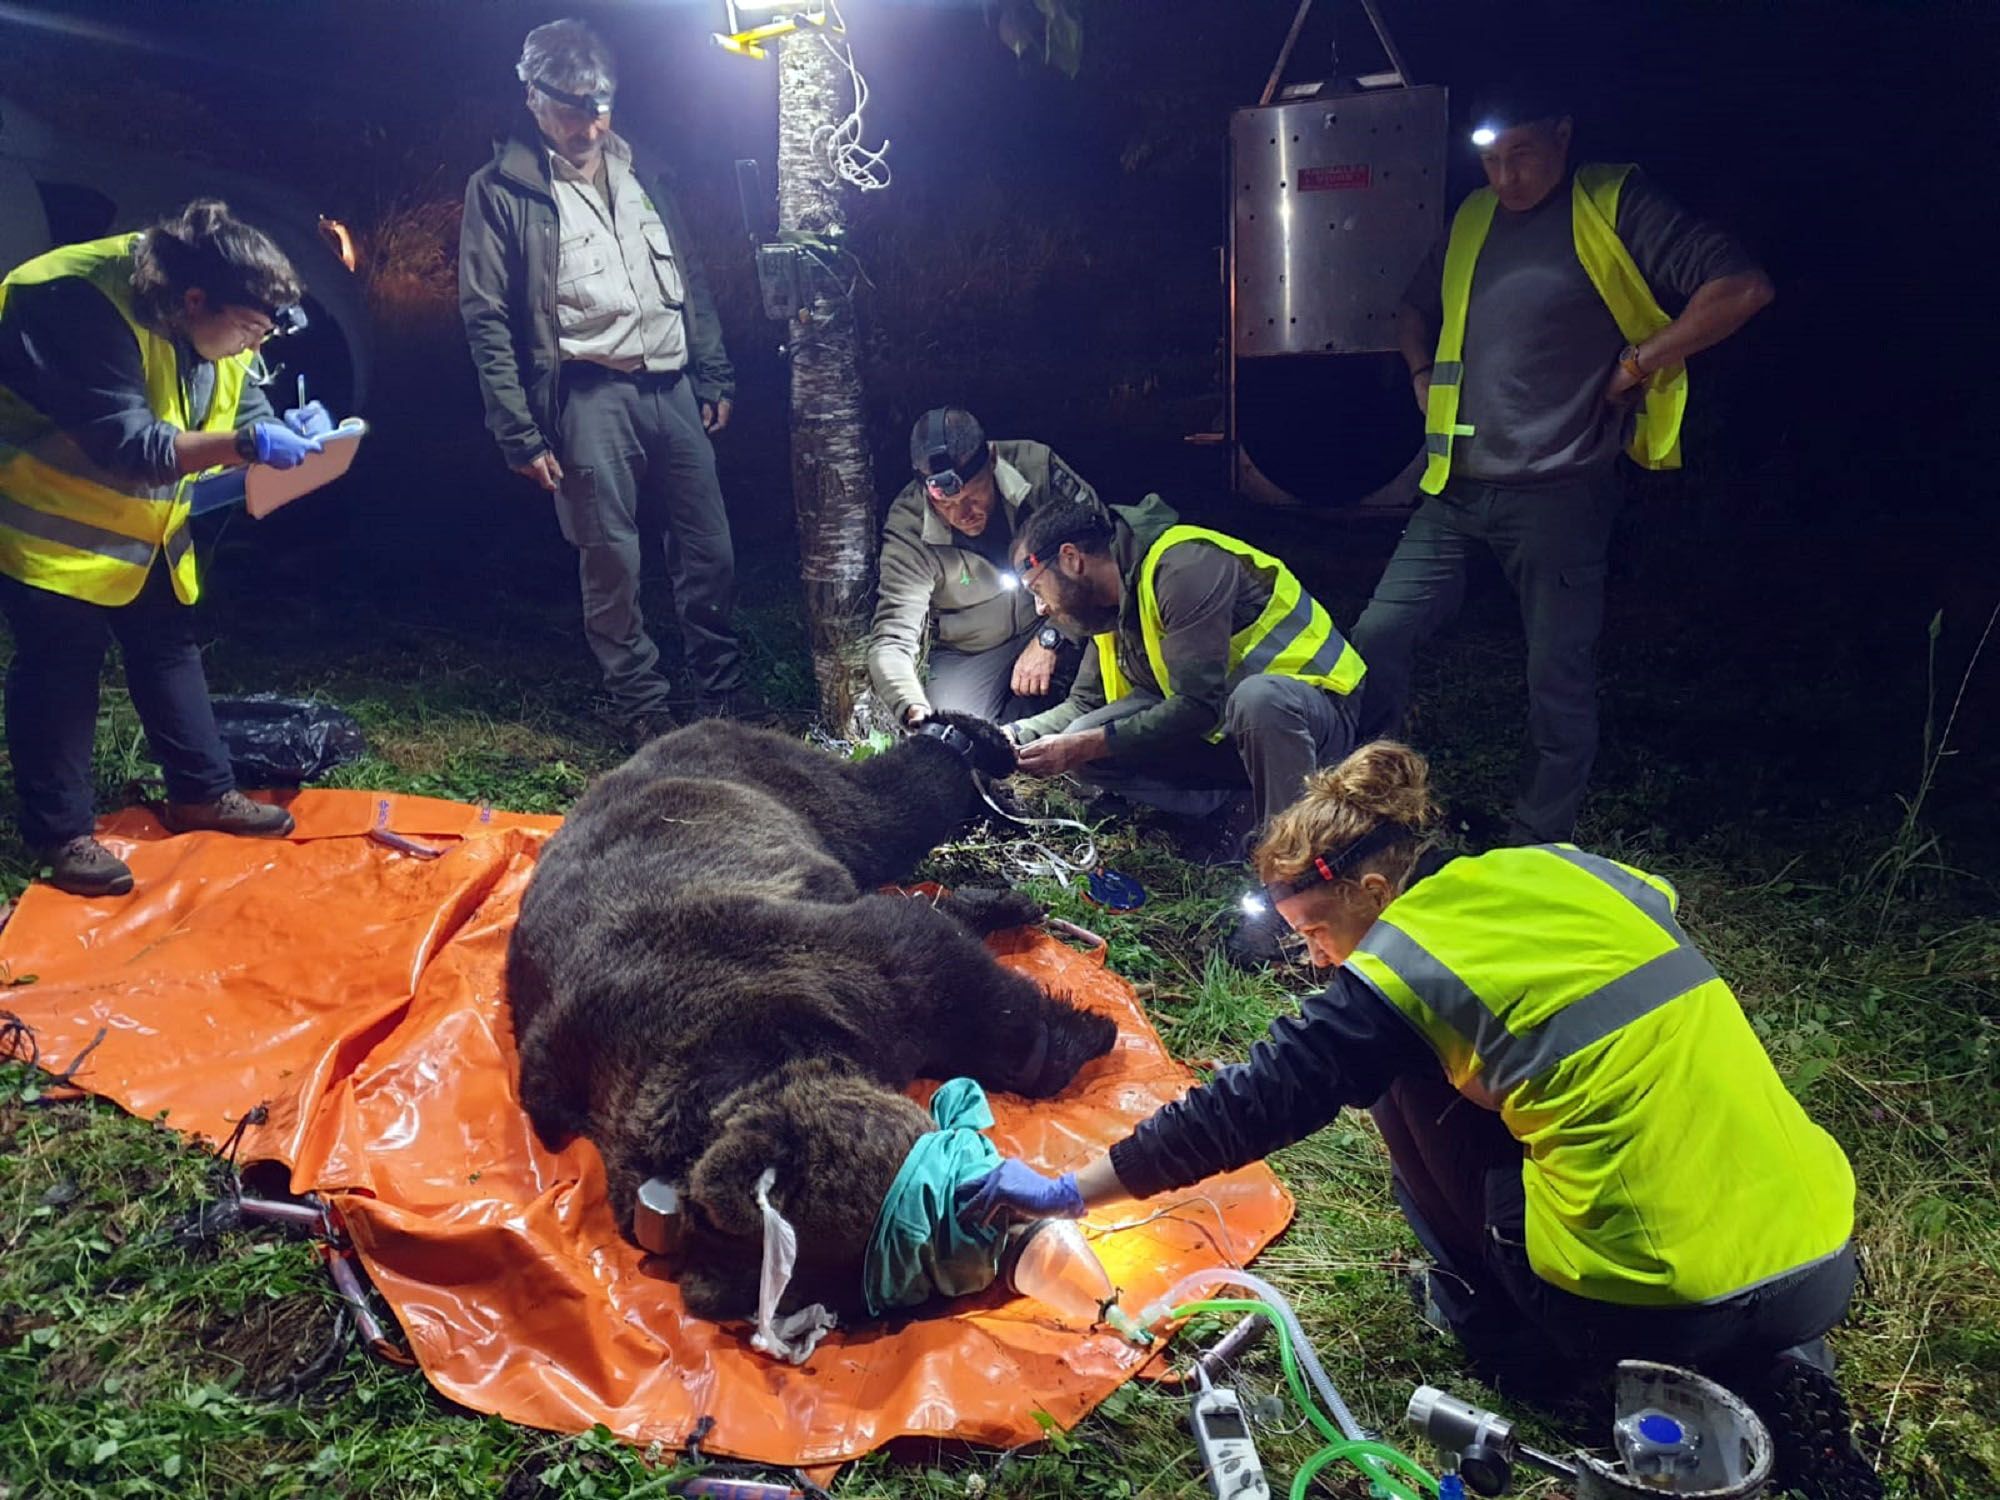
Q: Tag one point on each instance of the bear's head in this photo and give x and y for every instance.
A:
(836, 1142)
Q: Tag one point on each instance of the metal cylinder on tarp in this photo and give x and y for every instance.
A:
(1334, 202)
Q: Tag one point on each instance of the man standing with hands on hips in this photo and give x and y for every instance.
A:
(1539, 348)
(601, 361)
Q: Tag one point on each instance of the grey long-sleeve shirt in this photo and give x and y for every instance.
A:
(1539, 341)
(65, 350)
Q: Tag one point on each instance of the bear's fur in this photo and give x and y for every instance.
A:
(705, 982)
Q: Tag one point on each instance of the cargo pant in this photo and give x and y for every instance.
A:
(1551, 545)
(1276, 732)
(1456, 1171)
(982, 682)
(633, 444)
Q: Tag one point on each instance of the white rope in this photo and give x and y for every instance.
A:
(1036, 859)
(839, 146)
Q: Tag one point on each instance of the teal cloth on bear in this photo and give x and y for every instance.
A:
(919, 1249)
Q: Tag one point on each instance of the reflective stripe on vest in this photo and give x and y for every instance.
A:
(1293, 636)
(1663, 1161)
(65, 523)
(1656, 433)
(1496, 1060)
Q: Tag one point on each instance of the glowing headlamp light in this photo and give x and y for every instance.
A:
(1484, 136)
(1325, 869)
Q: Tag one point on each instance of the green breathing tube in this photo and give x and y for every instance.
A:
(1390, 1472)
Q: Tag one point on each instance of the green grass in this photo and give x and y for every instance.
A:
(131, 1367)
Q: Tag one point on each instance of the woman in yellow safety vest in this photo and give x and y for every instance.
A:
(125, 375)
(1585, 1133)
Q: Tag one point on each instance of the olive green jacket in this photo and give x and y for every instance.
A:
(928, 580)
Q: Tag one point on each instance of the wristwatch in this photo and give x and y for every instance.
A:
(1048, 638)
(1629, 358)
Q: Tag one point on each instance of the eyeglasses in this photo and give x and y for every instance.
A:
(1032, 563)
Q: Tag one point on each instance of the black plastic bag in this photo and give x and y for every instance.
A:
(280, 742)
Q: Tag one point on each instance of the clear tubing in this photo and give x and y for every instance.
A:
(1197, 1282)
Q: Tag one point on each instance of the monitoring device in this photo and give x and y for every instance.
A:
(1228, 1456)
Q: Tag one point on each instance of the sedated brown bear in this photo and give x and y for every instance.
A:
(706, 982)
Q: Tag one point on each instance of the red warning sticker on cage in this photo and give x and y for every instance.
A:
(1335, 179)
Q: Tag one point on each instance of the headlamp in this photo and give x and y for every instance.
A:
(596, 105)
(1484, 136)
(946, 476)
(1325, 869)
(943, 472)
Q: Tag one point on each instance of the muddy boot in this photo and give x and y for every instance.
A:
(84, 867)
(232, 812)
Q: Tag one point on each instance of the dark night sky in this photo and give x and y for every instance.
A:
(1834, 136)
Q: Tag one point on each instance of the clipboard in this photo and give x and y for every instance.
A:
(266, 488)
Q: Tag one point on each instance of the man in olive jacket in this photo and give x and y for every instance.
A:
(601, 361)
(945, 566)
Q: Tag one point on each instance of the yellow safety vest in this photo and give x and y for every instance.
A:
(1656, 433)
(1664, 1162)
(1293, 637)
(65, 523)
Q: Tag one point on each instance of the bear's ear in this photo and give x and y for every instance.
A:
(724, 1180)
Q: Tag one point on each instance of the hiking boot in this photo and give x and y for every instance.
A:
(84, 867)
(232, 812)
(1812, 1431)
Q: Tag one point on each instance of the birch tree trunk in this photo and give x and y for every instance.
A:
(833, 483)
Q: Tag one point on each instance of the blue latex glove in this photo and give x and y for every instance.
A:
(1016, 1190)
(280, 447)
(310, 421)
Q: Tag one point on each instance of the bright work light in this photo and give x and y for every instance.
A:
(773, 18)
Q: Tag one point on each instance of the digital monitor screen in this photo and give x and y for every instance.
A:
(1223, 1423)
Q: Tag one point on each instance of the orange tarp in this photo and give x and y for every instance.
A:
(356, 989)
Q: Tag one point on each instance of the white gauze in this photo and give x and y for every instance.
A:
(794, 1336)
